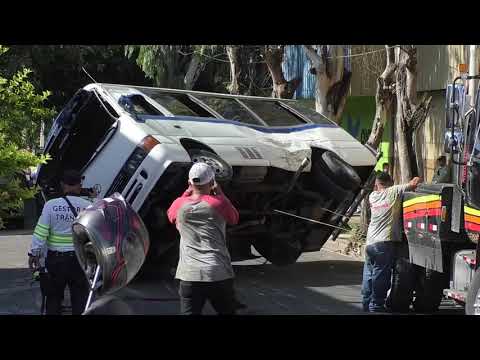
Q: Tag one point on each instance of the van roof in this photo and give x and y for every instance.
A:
(196, 92)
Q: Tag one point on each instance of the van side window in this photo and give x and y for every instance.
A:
(273, 113)
(230, 109)
(177, 104)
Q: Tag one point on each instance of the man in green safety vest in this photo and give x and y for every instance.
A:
(52, 246)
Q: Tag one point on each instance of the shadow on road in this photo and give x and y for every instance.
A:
(312, 287)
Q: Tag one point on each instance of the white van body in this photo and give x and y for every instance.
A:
(253, 144)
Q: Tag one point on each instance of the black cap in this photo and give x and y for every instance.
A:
(72, 177)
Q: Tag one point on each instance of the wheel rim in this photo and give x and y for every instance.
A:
(476, 304)
(217, 166)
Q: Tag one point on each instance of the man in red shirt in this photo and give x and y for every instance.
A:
(204, 269)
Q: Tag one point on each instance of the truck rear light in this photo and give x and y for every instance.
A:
(148, 143)
(443, 216)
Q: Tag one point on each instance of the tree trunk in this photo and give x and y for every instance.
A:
(332, 80)
(383, 99)
(195, 67)
(233, 57)
(383, 105)
(410, 113)
(281, 88)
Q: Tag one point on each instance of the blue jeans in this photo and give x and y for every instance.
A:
(377, 275)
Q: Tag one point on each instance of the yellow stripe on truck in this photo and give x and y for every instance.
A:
(421, 199)
(471, 211)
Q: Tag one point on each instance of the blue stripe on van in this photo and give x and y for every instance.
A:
(224, 121)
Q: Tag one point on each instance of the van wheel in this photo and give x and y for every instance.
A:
(337, 170)
(278, 250)
(223, 170)
(428, 290)
(472, 307)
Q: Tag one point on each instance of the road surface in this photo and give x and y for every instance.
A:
(320, 283)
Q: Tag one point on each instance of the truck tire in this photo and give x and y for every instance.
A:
(337, 170)
(403, 281)
(472, 307)
(429, 287)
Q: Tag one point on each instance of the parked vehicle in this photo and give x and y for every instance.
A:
(268, 154)
(440, 254)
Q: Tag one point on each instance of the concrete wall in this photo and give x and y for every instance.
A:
(430, 137)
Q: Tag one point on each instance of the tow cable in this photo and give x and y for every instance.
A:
(314, 221)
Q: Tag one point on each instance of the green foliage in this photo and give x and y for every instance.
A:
(21, 112)
(12, 191)
(59, 67)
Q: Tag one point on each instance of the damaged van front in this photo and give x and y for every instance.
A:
(278, 161)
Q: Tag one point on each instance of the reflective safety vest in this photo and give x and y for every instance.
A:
(54, 228)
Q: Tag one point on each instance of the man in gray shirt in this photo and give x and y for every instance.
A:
(383, 231)
(204, 269)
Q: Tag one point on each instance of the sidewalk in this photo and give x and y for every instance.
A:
(345, 246)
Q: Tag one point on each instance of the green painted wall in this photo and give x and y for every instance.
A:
(357, 119)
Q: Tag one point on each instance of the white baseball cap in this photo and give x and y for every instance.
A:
(200, 174)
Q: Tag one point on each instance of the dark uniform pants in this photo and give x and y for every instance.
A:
(63, 270)
(194, 294)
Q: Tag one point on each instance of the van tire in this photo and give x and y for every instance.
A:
(337, 170)
(277, 251)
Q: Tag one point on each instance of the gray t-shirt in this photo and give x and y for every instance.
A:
(203, 249)
(385, 219)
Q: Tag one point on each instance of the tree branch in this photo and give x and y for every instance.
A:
(312, 55)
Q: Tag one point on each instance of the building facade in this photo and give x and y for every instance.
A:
(437, 66)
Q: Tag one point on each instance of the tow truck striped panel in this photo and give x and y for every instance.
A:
(422, 213)
(472, 219)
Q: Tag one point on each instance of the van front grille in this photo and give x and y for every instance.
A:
(118, 184)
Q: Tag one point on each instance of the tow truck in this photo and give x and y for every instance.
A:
(440, 255)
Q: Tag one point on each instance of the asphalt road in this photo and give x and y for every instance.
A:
(320, 283)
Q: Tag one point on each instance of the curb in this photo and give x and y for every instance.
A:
(345, 246)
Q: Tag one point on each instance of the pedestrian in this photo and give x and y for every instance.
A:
(442, 172)
(383, 232)
(204, 268)
(52, 246)
(386, 168)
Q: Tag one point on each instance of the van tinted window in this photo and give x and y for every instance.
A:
(177, 104)
(273, 113)
(309, 113)
(229, 108)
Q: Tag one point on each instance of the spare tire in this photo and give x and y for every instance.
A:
(338, 170)
(111, 235)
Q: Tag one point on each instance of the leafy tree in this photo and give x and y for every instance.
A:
(59, 67)
(21, 112)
